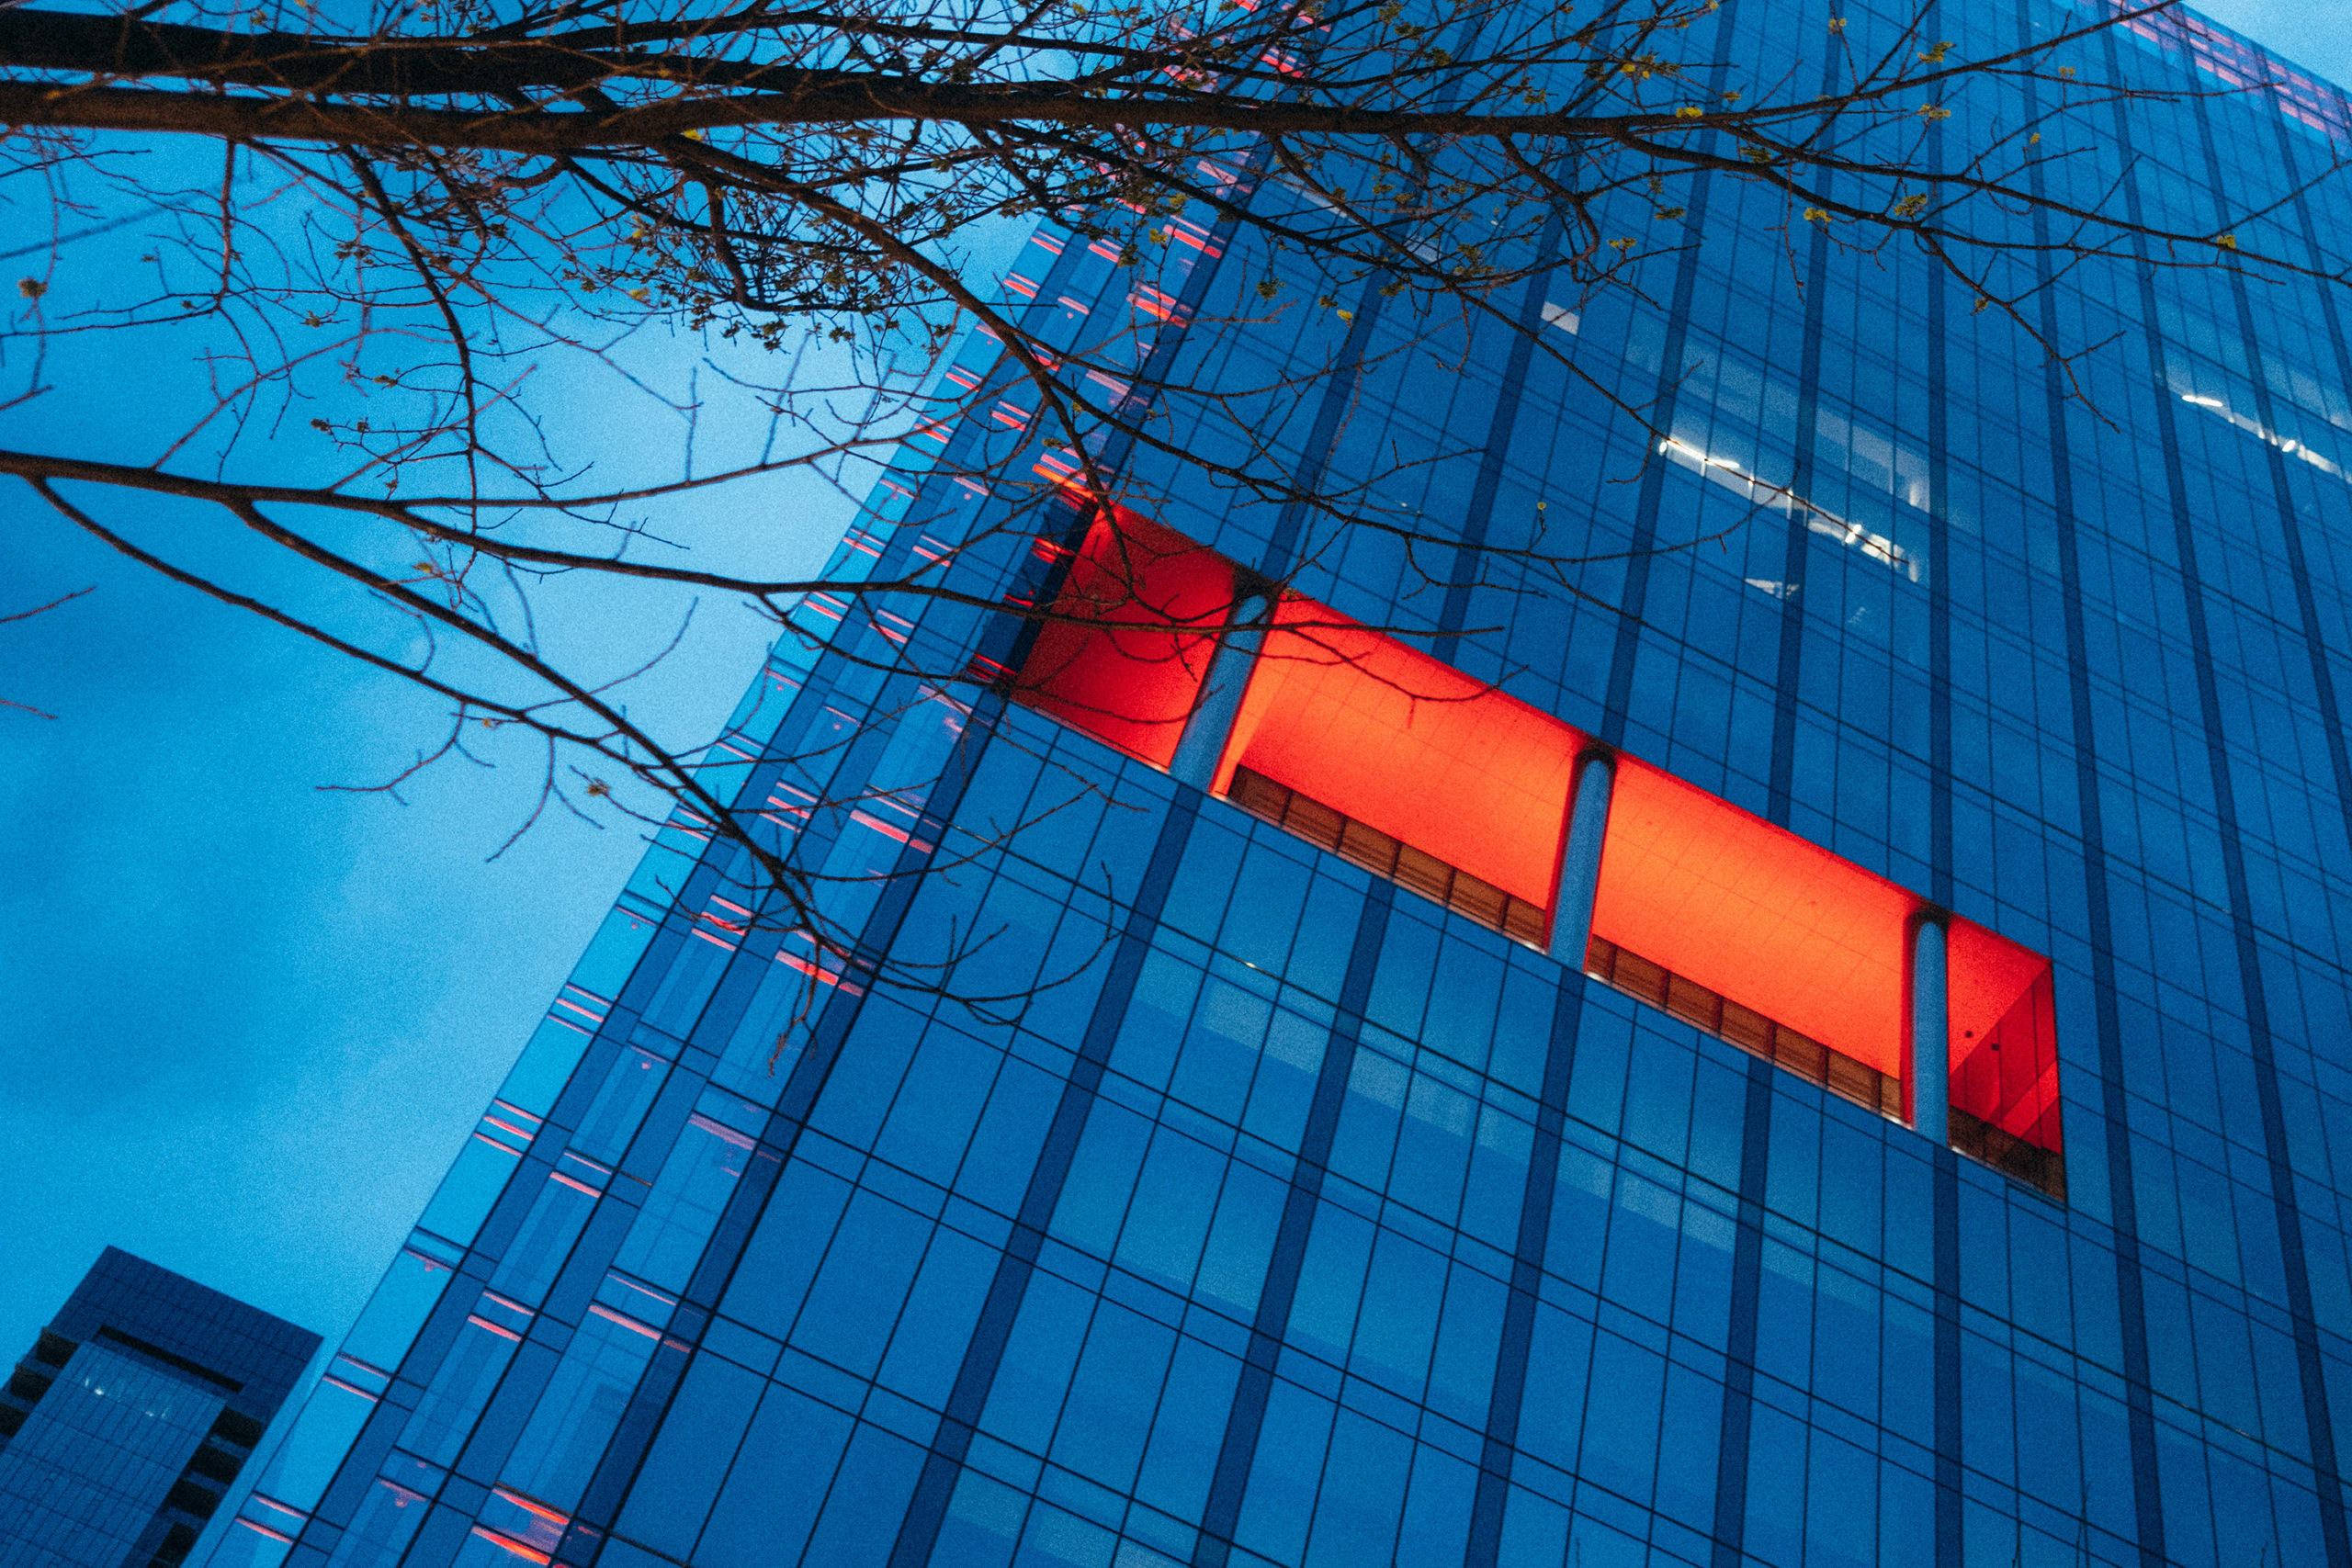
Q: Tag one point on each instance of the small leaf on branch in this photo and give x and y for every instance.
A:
(1935, 55)
(1689, 112)
(32, 287)
(2227, 242)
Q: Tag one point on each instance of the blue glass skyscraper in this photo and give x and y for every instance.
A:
(123, 1427)
(1818, 1037)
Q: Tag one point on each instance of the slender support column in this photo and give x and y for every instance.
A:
(1930, 1036)
(1203, 742)
(1580, 865)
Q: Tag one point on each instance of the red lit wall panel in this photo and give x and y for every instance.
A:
(1756, 914)
(1132, 679)
(1407, 745)
(2004, 1035)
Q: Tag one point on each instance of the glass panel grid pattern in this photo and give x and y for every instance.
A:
(133, 1415)
(78, 1487)
(1302, 1220)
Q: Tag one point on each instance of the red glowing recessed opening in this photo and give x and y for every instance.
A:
(1150, 605)
(1411, 747)
(1756, 914)
(1389, 738)
(2004, 1035)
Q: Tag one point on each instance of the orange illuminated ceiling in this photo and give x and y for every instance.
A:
(1755, 913)
(1408, 746)
(1132, 678)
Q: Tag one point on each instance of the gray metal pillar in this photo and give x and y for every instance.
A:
(1580, 865)
(1203, 742)
(1930, 1034)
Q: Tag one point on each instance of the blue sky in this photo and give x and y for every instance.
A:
(2314, 34)
(246, 1021)
(247, 1018)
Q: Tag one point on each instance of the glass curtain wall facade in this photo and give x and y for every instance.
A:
(131, 1419)
(1371, 1186)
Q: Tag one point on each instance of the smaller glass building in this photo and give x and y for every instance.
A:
(124, 1426)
